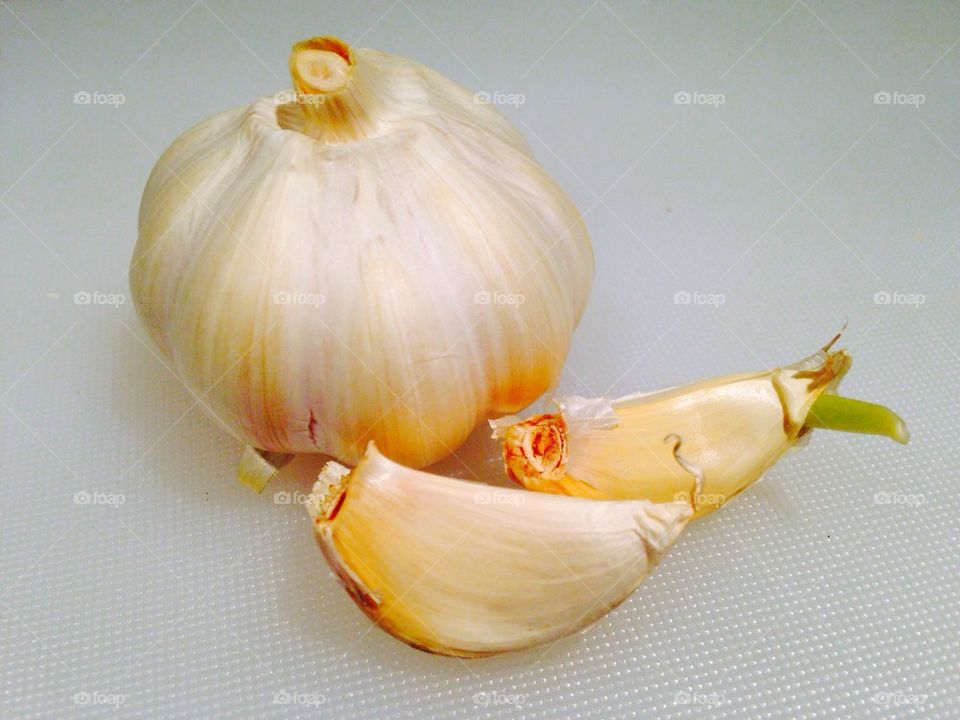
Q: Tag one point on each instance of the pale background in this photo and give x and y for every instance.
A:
(797, 200)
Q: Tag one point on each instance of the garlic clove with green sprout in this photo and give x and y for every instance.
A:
(460, 568)
(373, 257)
(733, 428)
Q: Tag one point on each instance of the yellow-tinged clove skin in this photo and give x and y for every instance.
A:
(373, 256)
(733, 429)
(465, 569)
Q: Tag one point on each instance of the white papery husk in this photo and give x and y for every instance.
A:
(403, 278)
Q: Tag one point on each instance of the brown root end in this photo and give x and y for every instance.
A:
(535, 450)
(329, 492)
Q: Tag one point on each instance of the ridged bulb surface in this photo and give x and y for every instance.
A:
(384, 262)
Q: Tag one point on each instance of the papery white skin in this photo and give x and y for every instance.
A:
(460, 568)
(322, 293)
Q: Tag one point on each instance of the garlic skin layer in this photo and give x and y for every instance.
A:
(732, 429)
(460, 568)
(374, 257)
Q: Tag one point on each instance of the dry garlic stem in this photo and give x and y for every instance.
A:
(733, 428)
(460, 568)
(321, 65)
(336, 95)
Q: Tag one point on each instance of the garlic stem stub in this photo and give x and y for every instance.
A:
(733, 428)
(326, 267)
(460, 568)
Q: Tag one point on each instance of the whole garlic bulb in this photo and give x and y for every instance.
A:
(376, 256)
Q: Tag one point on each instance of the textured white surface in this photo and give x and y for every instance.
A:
(798, 200)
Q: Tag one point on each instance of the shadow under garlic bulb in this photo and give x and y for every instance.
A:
(373, 257)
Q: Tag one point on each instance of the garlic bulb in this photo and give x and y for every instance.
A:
(459, 568)
(732, 430)
(373, 257)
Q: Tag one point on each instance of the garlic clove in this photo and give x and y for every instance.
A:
(733, 428)
(459, 568)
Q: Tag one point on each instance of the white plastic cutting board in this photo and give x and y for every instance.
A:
(794, 205)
